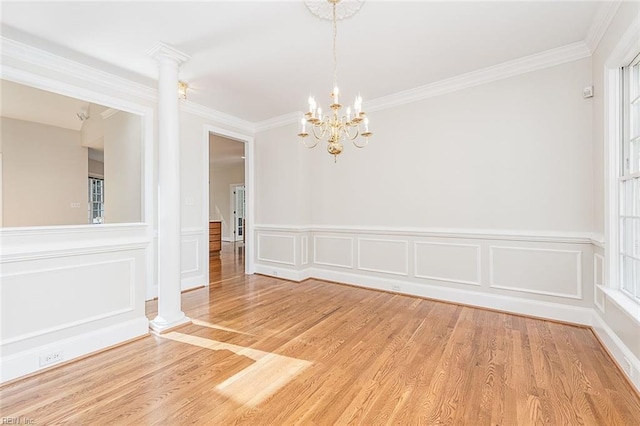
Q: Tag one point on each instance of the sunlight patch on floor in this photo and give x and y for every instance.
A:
(218, 327)
(255, 383)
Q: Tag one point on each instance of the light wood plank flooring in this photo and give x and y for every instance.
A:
(264, 351)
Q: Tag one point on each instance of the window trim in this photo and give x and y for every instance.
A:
(622, 55)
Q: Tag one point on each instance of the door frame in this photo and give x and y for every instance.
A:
(249, 185)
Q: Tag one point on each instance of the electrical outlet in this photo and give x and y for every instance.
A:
(395, 287)
(75, 205)
(274, 273)
(51, 358)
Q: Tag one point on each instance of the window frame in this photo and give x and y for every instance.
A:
(621, 55)
(92, 203)
(629, 181)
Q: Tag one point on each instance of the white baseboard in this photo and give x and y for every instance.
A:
(27, 362)
(193, 282)
(284, 273)
(516, 305)
(627, 361)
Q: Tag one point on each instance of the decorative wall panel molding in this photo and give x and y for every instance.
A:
(598, 281)
(304, 250)
(544, 271)
(333, 251)
(189, 253)
(384, 256)
(457, 263)
(277, 249)
(109, 284)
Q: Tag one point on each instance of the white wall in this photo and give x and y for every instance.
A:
(514, 154)
(122, 168)
(481, 196)
(195, 123)
(72, 290)
(220, 180)
(283, 165)
(44, 175)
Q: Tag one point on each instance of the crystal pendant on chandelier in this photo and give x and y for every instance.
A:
(335, 127)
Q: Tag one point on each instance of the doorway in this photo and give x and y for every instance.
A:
(229, 166)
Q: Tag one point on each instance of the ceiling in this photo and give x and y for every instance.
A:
(30, 104)
(261, 59)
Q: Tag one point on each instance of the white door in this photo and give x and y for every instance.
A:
(238, 207)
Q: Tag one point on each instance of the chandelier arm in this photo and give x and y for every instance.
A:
(315, 142)
(348, 132)
(366, 142)
(315, 134)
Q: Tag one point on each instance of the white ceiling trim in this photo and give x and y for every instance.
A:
(281, 120)
(546, 59)
(217, 116)
(601, 22)
(12, 49)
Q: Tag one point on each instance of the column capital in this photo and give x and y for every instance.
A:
(162, 50)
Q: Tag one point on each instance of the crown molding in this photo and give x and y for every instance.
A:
(279, 121)
(605, 14)
(217, 116)
(546, 59)
(16, 50)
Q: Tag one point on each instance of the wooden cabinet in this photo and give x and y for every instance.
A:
(215, 238)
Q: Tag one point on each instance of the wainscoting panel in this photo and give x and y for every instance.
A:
(598, 281)
(189, 254)
(194, 266)
(27, 296)
(457, 263)
(304, 250)
(275, 248)
(333, 251)
(70, 291)
(535, 270)
(383, 255)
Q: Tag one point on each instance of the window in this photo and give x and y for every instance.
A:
(630, 181)
(96, 200)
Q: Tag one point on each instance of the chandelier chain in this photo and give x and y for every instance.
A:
(335, 54)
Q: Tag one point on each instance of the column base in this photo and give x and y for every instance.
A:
(160, 326)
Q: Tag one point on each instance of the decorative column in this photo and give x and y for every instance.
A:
(170, 313)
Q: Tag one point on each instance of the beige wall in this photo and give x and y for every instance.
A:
(96, 168)
(122, 168)
(220, 181)
(44, 174)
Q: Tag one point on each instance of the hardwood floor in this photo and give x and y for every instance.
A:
(263, 351)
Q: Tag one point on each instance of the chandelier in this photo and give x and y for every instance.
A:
(335, 127)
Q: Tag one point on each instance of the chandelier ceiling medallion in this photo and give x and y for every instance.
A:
(334, 127)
